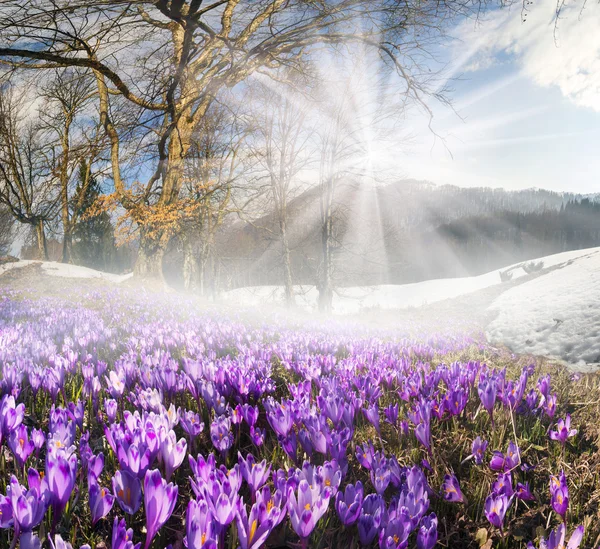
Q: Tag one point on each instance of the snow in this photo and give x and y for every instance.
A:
(63, 270)
(555, 315)
(352, 300)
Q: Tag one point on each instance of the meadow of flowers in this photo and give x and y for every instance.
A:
(130, 422)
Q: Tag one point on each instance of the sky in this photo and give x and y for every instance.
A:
(525, 103)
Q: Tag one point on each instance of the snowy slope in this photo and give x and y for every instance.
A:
(52, 268)
(352, 300)
(555, 315)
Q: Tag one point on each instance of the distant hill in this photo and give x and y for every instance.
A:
(409, 231)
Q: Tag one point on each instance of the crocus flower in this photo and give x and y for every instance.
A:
(451, 489)
(487, 390)
(502, 462)
(503, 485)
(255, 474)
(172, 453)
(372, 415)
(307, 507)
(101, 502)
(391, 414)
(523, 492)
(252, 531)
(428, 534)
(191, 424)
(28, 507)
(220, 433)
(159, 502)
(371, 518)
(394, 535)
(478, 450)
(348, 503)
(556, 540)
(128, 491)
(111, 407)
(496, 506)
(563, 431)
(560, 501)
(199, 528)
(60, 476)
(122, 538)
(11, 415)
(20, 444)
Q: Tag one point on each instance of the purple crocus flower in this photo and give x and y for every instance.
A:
(111, 407)
(502, 462)
(101, 502)
(563, 431)
(560, 501)
(20, 444)
(11, 415)
(128, 490)
(391, 414)
(159, 502)
(556, 540)
(279, 416)
(478, 450)
(254, 529)
(307, 508)
(199, 526)
(371, 518)
(428, 534)
(122, 538)
(496, 506)
(523, 492)
(451, 489)
(503, 485)
(191, 424)
(60, 477)
(348, 503)
(255, 474)
(372, 415)
(28, 507)
(172, 452)
(220, 433)
(394, 535)
(487, 390)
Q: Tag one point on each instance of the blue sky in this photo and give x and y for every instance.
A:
(528, 104)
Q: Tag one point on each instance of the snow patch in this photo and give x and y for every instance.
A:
(64, 270)
(555, 315)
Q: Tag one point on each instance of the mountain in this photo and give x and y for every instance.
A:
(409, 231)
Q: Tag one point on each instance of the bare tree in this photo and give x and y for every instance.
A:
(170, 59)
(26, 184)
(213, 168)
(7, 223)
(74, 138)
(350, 128)
(280, 144)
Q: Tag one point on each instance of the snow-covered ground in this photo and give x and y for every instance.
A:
(52, 268)
(555, 315)
(354, 299)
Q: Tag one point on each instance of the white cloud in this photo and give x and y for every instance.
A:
(566, 56)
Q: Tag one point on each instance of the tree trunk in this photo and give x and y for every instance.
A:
(67, 248)
(190, 271)
(287, 265)
(41, 240)
(148, 265)
(325, 286)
